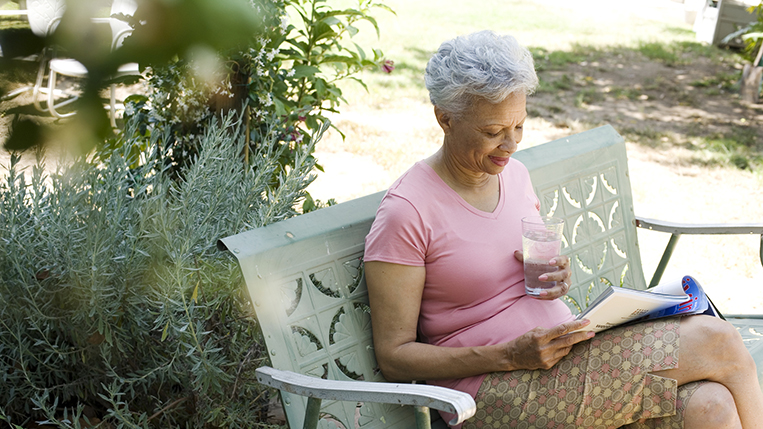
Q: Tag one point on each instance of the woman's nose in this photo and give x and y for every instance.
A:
(509, 144)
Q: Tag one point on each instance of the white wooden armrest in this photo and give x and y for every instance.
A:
(439, 398)
(685, 228)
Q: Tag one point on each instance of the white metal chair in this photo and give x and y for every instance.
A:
(44, 16)
(73, 68)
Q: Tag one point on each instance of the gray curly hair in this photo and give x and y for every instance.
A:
(479, 65)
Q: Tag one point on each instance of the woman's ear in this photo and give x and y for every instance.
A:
(444, 119)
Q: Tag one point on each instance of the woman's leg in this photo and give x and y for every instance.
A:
(699, 405)
(711, 407)
(711, 349)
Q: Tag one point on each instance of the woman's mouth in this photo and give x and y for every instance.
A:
(500, 161)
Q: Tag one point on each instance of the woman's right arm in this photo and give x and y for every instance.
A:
(395, 293)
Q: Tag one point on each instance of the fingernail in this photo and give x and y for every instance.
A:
(543, 277)
(591, 334)
(552, 262)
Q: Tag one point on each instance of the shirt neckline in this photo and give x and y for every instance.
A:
(489, 215)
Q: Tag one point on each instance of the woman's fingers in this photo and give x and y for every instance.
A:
(561, 277)
(567, 328)
(568, 334)
(545, 347)
(554, 292)
(563, 272)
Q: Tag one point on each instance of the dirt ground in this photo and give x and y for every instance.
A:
(666, 112)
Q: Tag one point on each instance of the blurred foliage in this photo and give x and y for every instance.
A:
(288, 71)
(203, 58)
(165, 30)
(116, 308)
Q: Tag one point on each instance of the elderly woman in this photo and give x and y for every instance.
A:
(447, 295)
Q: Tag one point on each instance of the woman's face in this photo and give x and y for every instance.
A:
(484, 138)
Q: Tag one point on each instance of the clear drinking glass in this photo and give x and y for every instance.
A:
(541, 241)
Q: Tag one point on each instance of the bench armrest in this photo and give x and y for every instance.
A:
(677, 229)
(439, 398)
(710, 228)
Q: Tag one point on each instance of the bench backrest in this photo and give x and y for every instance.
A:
(584, 179)
(305, 274)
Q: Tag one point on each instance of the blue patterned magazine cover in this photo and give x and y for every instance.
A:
(617, 306)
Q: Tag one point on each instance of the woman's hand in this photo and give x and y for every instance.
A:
(543, 348)
(561, 277)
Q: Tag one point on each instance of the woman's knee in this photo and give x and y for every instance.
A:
(717, 336)
(711, 406)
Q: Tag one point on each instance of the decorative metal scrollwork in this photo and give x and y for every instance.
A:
(325, 281)
(306, 342)
(354, 269)
(291, 294)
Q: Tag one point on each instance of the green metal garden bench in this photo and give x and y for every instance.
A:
(305, 278)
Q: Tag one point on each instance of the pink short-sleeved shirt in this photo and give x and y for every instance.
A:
(474, 288)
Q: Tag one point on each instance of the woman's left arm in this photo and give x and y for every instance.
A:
(560, 276)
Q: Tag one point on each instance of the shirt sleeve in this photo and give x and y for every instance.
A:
(398, 234)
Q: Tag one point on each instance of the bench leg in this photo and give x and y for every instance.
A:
(423, 419)
(312, 413)
(665, 259)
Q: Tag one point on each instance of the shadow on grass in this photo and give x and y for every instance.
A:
(655, 94)
(19, 42)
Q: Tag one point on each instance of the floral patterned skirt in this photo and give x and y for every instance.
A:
(602, 383)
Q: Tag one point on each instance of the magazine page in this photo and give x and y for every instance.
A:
(696, 300)
(673, 287)
(616, 306)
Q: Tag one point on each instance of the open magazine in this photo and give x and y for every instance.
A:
(617, 305)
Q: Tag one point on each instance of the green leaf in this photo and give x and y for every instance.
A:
(385, 7)
(320, 88)
(139, 99)
(360, 82)
(305, 71)
(279, 107)
(309, 204)
(330, 20)
(361, 52)
(325, 32)
(372, 20)
(340, 59)
(312, 122)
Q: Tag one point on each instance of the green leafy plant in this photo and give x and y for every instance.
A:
(116, 309)
(289, 71)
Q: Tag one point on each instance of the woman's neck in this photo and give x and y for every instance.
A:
(458, 177)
